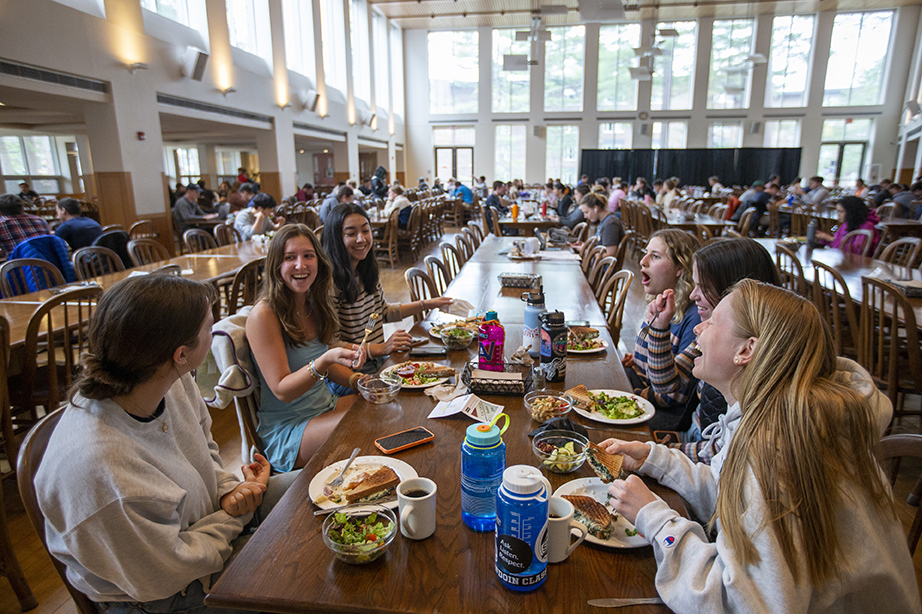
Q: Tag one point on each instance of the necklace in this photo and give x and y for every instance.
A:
(309, 311)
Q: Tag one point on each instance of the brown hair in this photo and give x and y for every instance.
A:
(723, 263)
(680, 247)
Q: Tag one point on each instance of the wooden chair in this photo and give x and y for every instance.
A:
(732, 234)
(903, 252)
(386, 247)
(318, 232)
(439, 273)
(885, 211)
(587, 246)
(612, 300)
(15, 276)
(745, 225)
(621, 253)
(198, 240)
(112, 227)
(421, 288)
(408, 240)
(464, 245)
(893, 448)
(790, 271)
(834, 302)
(146, 251)
(311, 218)
(142, 229)
(599, 274)
(55, 338)
(858, 242)
(168, 269)
(594, 255)
(452, 259)
(494, 222)
(7, 432)
(245, 288)
(578, 231)
(92, 262)
(888, 346)
(30, 458)
(471, 238)
(704, 234)
(226, 234)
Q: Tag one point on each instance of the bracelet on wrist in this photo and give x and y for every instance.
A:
(353, 380)
(316, 373)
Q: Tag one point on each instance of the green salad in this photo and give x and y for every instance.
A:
(616, 408)
(458, 333)
(358, 531)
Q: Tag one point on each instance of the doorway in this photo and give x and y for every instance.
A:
(455, 162)
(842, 162)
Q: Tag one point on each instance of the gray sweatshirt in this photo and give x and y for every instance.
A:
(695, 575)
(133, 510)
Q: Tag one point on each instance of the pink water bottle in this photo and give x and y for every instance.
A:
(492, 339)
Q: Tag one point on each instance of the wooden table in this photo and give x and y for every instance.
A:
(891, 230)
(285, 567)
(677, 219)
(526, 226)
(493, 250)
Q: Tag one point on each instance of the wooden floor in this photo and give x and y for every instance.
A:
(50, 591)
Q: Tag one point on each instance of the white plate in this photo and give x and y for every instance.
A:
(524, 257)
(436, 328)
(328, 473)
(592, 351)
(647, 406)
(593, 487)
(441, 380)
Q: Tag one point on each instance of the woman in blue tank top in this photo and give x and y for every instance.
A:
(290, 330)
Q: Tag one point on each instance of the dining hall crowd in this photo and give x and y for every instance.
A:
(770, 429)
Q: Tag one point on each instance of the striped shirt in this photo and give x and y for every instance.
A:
(353, 317)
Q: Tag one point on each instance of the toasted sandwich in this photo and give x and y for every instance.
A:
(583, 333)
(599, 522)
(581, 398)
(606, 466)
(436, 371)
(374, 487)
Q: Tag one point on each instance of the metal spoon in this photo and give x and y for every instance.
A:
(339, 478)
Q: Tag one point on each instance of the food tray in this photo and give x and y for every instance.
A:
(516, 388)
(519, 280)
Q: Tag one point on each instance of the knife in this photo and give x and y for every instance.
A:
(622, 603)
(330, 510)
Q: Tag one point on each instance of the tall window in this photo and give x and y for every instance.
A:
(450, 136)
(722, 135)
(843, 150)
(509, 156)
(397, 69)
(857, 58)
(563, 69)
(510, 87)
(177, 10)
(382, 66)
(358, 38)
(729, 77)
(674, 70)
(615, 135)
(248, 26)
(32, 159)
(299, 44)
(333, 34)
(669, 135)
(617, 91)
(563, 153)
(453, 72)
(782, 133)
(789, 61)
(187, 164)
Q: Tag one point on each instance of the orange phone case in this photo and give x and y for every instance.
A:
(425, 439)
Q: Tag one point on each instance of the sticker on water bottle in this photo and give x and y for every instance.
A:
(512, 554)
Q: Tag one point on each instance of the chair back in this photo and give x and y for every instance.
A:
(893, 448)
(477, 232)
(226, 234)
(452, 259)
(318, 232)
(579, 229)
(386, 248)
(6, 418)
(142, 229)
(621, 254)
(117, 241)
(885, 211)
(198, 240)
(245, 287)
(146, 251)
(834, 302)
(168, 269)
(421, 288)
(494, 222)
(311, 218)
(612, 300)
(25, 275)
(858, 242)
(439, 273)
(112, 227)
(745, 225)
(588, 246)
(599, 273)
(903, 252)
(704, 234)
(92, 262)
(30, 459)
(464, 245)
(790, 270)
(589, 261)
(471, 238)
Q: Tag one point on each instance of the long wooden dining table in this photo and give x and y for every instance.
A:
(285, 566)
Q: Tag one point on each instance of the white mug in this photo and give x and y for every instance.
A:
(560, 529)
(416, 500)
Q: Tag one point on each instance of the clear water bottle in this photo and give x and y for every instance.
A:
(811, 233)
(531, 329)
(483, 459)
(521, 528)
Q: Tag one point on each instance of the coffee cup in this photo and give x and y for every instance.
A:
(416, 502)
(560, 528)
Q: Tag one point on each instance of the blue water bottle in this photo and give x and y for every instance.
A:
(521, 528)
(483, 459)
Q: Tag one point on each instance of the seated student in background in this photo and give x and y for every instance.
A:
(341, 194)
(853, 215)
(565, 199)
(187, 210)
(397, 201)
(804, 517)
(494, 200)
(716, 187)
(456, 189)
(670, 193)
(77, 230)
(666, 265)
(618, 193)
(608, 227)
(290, 330)
(259, 218)
(137, 502)
(16, 225)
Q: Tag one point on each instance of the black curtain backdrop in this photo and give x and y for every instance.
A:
(693, 166)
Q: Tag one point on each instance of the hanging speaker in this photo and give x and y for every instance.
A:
(194, 64)
(755, 128)
(913, 107)
(538, 131)
(645, 129)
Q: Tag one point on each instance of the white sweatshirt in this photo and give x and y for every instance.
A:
(133, 510)
(694, 575)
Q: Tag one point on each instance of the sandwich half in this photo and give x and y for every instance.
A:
(583, 333)
(581, 398)
(606, 466)
(374, 487)
(436, 371)
(598, 521)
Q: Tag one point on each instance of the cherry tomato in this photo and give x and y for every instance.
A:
(371, 537)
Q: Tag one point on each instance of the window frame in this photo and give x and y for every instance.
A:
(576, 104)
(436, 66)
(513, 155)
(507, 86)
(620, 69)
(560, 168)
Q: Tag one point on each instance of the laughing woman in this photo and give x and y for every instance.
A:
(804, 516)
(290, 330)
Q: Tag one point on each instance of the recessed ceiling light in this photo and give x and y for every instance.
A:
(300, 151)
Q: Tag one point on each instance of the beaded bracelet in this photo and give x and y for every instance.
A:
(316, 374)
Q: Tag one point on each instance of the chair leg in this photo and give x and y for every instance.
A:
(11, 569)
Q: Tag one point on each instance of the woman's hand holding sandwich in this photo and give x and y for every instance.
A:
(635, 452)
(629, 496)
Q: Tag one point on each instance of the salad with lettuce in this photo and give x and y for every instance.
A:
(357, 531)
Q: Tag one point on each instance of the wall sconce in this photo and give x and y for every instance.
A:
(133, 68)
(228, 90)
(284, 106)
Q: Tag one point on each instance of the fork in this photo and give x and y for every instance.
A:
(339, 478)
(368, 328)
(646, 329)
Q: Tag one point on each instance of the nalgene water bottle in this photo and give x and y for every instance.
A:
(483, 459)
(521, 528)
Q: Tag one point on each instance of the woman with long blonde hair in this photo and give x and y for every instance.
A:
(804, 517)
(290, 330)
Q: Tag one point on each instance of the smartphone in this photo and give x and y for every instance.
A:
(417, 341)
(429, 350)
(404, 439)
(666, 437)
